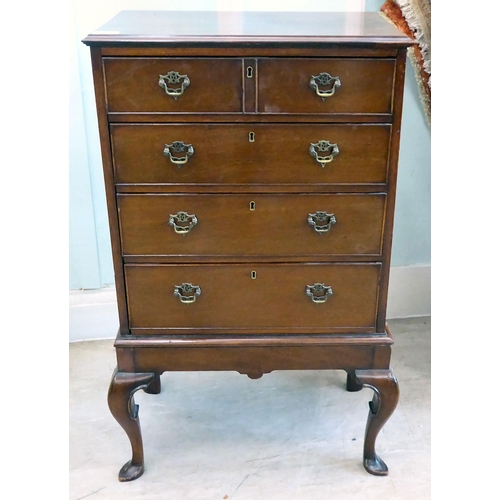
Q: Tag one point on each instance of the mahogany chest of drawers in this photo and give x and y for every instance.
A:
(250, 165)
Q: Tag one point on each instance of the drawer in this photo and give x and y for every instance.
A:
(251, 224)
(273, 300)
(284, 86)
(132, 85)
(223, 154)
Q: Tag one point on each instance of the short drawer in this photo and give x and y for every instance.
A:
(356, 86)
(253, 298)
(250, 154)
(234, 225)
(188, 85)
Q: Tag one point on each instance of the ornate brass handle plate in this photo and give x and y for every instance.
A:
(182, 222)
(319, 292)
(332, 150)
(174, 78)
(324, 79)
(178, 147)
(187, 292)
(321, 221)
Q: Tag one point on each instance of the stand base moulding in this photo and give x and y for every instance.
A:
(250, 164)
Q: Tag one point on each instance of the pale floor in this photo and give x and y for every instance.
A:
(222, 436)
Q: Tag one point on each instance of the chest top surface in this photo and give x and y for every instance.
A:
(163, 27)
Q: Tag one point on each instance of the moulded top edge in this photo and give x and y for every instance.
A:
(165, 27)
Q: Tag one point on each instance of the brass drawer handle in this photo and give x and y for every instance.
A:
(187, 292)
(174, 78)
(332, 150)
(182, 222)
(319, 292)
(178, 147)
(321, 221)
(324, 79)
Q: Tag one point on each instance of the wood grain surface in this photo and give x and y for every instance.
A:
(278, 226)
(224, 155)
(215, 85)
(274, 302)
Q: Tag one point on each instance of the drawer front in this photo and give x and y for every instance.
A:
(207, 85)
(284, 86)
(273, 300)
(250, 154)
(251, 225)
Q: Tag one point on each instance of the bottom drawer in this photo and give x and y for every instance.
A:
(252, 298)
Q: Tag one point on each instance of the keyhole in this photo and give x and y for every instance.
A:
(249, 72)
(252, 206)
(253, 275)
(251, 137)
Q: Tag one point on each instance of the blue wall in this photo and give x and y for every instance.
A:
(412, 224)
(90, 250)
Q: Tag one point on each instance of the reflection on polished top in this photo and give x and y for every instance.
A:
(165, 26)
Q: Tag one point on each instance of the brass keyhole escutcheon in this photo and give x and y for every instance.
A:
(253, 275)
(249, 72)
(251, 137)
(252, 206)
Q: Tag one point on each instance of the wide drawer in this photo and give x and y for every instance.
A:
(207, 85)
(251, 224)
(253, 298)
(357, 86)
(250, 154)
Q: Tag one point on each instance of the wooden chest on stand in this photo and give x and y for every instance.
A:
(250, 164)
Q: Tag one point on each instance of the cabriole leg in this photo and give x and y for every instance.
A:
(352, 385)
(385, 399)
(155, 386)
(126, 412)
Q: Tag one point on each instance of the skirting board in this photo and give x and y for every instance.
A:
(93, 313)
(409, 292)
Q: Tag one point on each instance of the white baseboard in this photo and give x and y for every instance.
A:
(409, 292)
(93, 314)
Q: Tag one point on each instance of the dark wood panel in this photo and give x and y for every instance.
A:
(225, 259)
(107, 164)
(399, 84)
(194, 341)
(250, 78)
(248, 118)
(226, 226)
(366, 85)
(223, 154)
(251, 188)
(230, 298)
(349, 331)
(215, 85)
(253, 361)
(278, 50)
